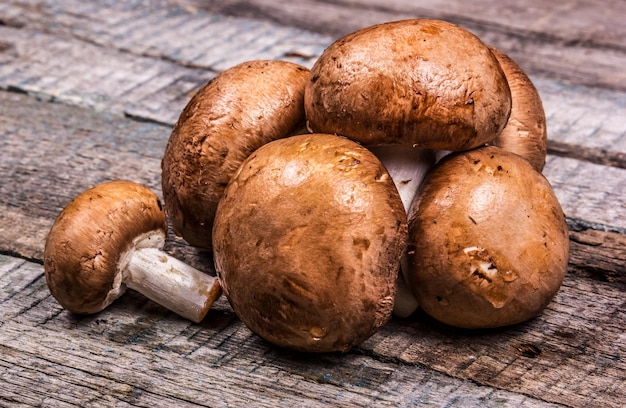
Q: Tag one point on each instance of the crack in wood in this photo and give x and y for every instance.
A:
(604, 157)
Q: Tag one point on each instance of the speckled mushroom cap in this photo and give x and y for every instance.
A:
(421, 82)
(525, 132)
(307, 243)
(488, 243)
(238, 111)
(89, 238)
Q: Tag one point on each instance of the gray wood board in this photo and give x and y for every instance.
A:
(95, 89)
(578, 41)
(66, 150)
(136, 352)
(146, 63)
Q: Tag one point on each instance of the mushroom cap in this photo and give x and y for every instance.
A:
(421, 82)
(488, 242)
(86, 245)
(525, 132)
(232, 115)
(307, 243)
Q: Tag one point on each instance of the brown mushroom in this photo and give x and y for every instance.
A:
(109, 238)
(307, 242)
(238, 111)
(420, 82)
(525, 132)
(488, 242)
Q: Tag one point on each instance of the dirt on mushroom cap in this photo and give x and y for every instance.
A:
(84, 246)
(307, 242)
(418, 82)
(238, 111)
(488, 242)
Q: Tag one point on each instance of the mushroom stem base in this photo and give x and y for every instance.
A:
(171, 283)
(405, 303)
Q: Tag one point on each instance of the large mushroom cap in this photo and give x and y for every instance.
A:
(87, 242)
(307, 242)
(418, 82)
(488, 242)
(236, 112)
(526, 132)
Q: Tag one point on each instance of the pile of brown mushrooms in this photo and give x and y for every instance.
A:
(402, 171)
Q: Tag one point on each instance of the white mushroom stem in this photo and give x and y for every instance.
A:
(166, 280)
(405, 302)
(407, 166)
(440, 154)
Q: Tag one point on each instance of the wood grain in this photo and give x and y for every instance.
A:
(89, 91)
(598, 254)
(138, 353)
(90, 149)
(565, 40)
(164, 62)
(544, 354)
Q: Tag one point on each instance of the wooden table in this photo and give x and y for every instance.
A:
(89, 92)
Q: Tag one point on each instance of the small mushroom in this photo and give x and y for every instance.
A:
(488, 242)
(235, 113)
(420, 82)
(109, 238)
(525, 132)
(307, 242)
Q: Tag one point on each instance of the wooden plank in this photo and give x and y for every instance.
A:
(588, 191)
(117, 83)
(567, 19)
(564, 40)
(577, 337)
(67, 150)
(136, 350)
(597, 119)
(150, 68)
(143, 60)
(160, 30)
(84, 128)
(598, 254)
(579, 116)
(178, 381)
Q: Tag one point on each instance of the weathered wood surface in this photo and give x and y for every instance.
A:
(90, 92)
(578, 41)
